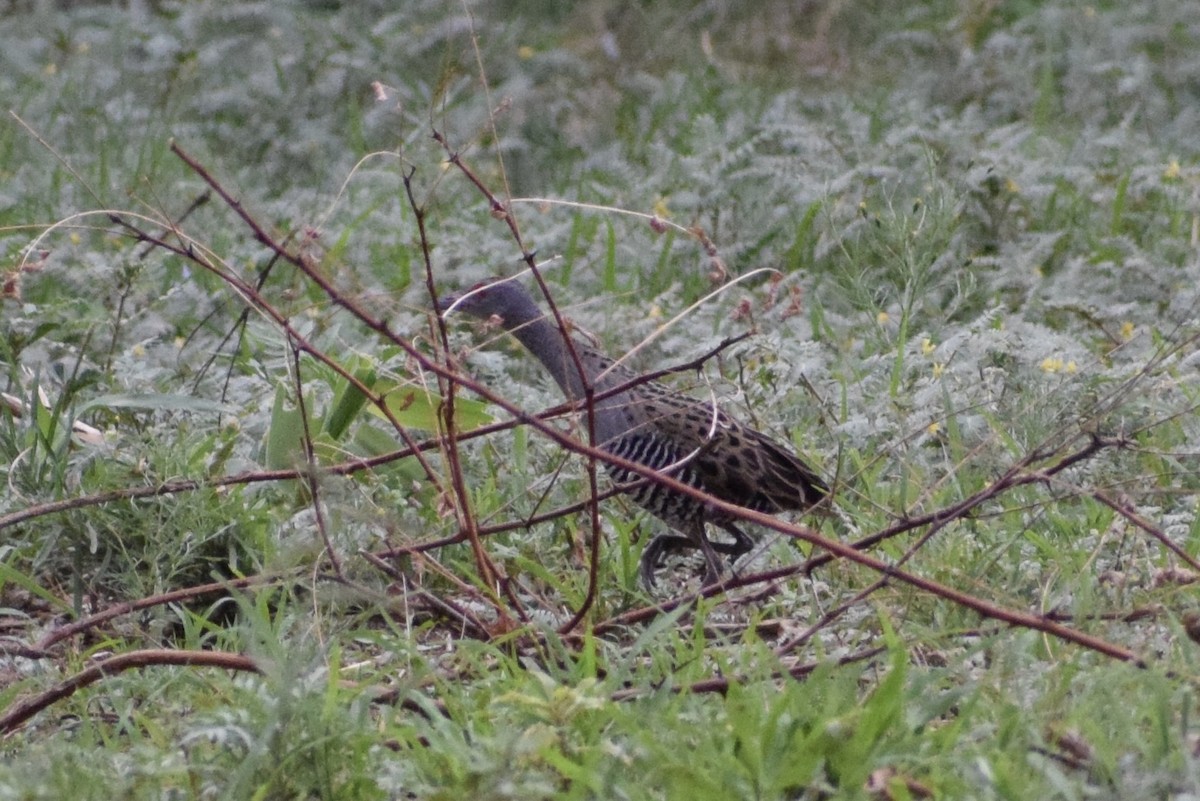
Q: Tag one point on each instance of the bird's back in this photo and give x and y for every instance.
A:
(654, 425)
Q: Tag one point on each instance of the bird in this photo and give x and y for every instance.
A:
(656, 426)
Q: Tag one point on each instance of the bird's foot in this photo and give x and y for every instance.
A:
(652, 556)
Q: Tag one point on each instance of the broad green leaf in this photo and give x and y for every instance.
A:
(419, 408)
(347, 402)
(285, 436)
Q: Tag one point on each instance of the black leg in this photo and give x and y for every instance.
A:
(654, 552)
(712, 564)
(742, 543)
(661, 544)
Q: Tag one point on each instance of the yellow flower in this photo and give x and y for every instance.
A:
(927, 346)
(139, 351)
(938, 369)
(1126, 330)
(525, 52)
(933, 428)
(1172, 171)
(882, 318)
(661, 210)
(1052, 364)
(1072, 367)
(1011, 187)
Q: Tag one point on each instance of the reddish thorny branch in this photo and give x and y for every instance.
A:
(1021, 474)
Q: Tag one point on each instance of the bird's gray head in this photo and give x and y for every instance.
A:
(498, 297)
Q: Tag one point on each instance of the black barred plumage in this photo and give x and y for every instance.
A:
(652, 425)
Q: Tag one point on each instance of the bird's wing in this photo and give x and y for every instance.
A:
(733, 461)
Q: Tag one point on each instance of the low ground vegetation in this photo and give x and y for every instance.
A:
(272, 529)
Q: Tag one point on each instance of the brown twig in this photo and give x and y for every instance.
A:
(489, 575)
(61, 633)
(311, 481)
(594, 454)
(721, 684)
(503, 212)
(16, 714)
(1127, 512)
(297, 260)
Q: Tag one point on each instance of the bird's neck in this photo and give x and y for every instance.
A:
(547, 342)
(614, 416)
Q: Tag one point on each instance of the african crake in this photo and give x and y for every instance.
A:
(653, 425)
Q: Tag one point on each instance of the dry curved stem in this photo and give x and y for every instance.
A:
(61, 633)
(255, 298)
(835, 549)
(1019, 474)
(489, 574)
(346, 468)
(833, 614)
(1126, 511)
(20, 712)
(499, 211)
(838, 549)
(465, 620)
(311, 480)
(339, 299)
(721, 684)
